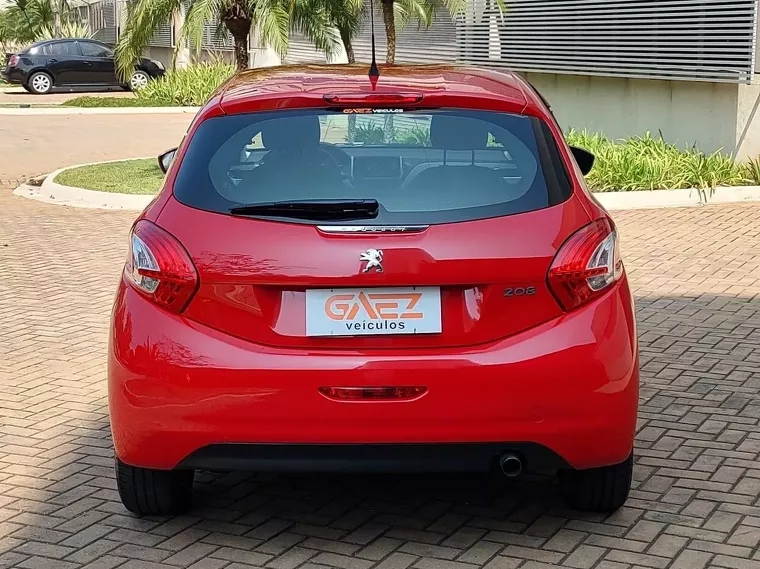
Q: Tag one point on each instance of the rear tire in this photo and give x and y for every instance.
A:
(144, 491)
(40, 83)
(602, 489)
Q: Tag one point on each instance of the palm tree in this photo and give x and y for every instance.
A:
(25, 21)
(345, 16)
(273, 18)
(398, 13)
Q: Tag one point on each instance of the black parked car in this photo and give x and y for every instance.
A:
(73, 63)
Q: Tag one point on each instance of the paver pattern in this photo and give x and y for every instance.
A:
(696, 276)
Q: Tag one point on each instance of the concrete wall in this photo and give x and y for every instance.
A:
(712, 115)
(748, 122)
(165, 55)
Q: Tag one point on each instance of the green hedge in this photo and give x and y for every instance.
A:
(650, 163)
(189, 87)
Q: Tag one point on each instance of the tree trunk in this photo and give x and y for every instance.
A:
(56, 5)
(345, 37)
(241, 52)
(390, 58)
(238, 22)
(390, 31)
(389, 130)
(351, 134)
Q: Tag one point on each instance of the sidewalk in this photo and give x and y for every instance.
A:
(15, 95)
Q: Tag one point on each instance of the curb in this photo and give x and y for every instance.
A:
(676, 198)
(98, 110)
(52, 192)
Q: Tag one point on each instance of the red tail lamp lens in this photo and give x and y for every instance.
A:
(586, 265)
(159, 267)
(373, 393)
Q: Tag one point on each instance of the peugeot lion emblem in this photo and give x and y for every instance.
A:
(374, 260)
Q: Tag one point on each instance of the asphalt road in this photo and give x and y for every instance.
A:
(40, 143)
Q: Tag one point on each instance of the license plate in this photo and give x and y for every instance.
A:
(373, 311)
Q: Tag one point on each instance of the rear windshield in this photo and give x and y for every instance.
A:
(422, 167)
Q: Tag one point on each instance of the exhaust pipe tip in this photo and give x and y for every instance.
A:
(511, 465)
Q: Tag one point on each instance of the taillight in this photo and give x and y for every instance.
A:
(159, 267)
(13, 61)
(586, 264)
(372, 99)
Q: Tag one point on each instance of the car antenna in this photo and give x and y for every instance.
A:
(374, 72)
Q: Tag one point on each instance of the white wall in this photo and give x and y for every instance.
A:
(165, 55)
(685, 112)
(748, 122)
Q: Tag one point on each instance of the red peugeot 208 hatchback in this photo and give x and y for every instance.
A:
(345, 273)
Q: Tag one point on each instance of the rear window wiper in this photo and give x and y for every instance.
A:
(312, 209)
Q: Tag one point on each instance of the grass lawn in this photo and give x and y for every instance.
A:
(128, 177)
(99, 102)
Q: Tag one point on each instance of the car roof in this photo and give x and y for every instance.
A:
(59, 40)
(297, 86)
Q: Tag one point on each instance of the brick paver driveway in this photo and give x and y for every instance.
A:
(696, 275)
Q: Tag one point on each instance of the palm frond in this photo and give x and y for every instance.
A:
(69, 29)
(199, 12)
(314, 21)
(345, 15)
(143, 19)
(420, 11)
(273, 22)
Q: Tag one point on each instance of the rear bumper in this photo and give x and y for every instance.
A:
(13, 75)
(178, 390)
(411, 458)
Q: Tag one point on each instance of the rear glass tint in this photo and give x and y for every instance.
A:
(423, 167)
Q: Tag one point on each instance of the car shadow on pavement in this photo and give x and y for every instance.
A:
(415, 500)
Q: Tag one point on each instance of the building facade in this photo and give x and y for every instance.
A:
(683, 68)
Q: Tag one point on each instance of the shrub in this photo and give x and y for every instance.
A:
(752, 171)
(369, 134)
(191, 86)
(416, 136)
(650, 163)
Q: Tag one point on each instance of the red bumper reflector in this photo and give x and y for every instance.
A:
(373, 393)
